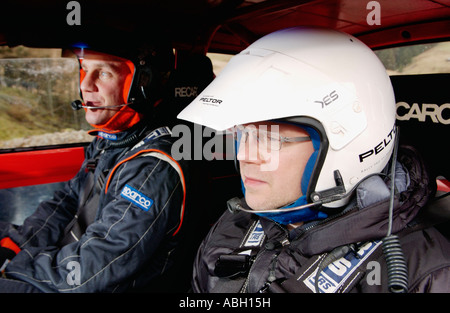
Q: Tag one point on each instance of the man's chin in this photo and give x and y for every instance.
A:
(94, 120)
(256, 204)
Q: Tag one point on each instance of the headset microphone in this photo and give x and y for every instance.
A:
(235, 204)
(77, 105)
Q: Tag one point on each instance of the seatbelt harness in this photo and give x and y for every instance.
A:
(90, 195)
(338, 277)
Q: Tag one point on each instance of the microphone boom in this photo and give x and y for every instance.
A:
(77, 105)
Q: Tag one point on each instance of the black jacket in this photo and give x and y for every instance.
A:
(245, 253)
(136, 220)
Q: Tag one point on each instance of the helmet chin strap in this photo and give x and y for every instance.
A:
(300, 210)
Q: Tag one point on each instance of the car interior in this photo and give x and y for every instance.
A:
(199, 27)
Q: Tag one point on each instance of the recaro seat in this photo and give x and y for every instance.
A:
(423, 115)
(210, 182)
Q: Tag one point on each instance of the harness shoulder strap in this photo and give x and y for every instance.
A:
(90, 193)
(232, 269)
(88, 204)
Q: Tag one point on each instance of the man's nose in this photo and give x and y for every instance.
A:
(248, 150)
(88, 83)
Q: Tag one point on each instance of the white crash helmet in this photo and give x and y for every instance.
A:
(320, 78)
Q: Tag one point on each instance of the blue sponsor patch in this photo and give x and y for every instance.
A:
(335, 275)
(136, 197)
(107, 136)
(256, 237)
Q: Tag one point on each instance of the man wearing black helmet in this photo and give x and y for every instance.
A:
(329, 205)
(116, 225)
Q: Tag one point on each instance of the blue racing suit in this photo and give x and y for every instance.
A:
(134, 229)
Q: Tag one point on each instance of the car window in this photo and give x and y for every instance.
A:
(36, 89)
(408, 60)
(416, 59)
(38, 85)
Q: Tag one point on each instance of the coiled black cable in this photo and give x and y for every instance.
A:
(131, 140)
(397, 269)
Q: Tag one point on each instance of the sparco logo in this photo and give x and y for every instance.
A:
(435, 112)
(107, 136)
(136, 197)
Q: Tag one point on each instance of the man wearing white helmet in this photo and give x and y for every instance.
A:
(313, 114)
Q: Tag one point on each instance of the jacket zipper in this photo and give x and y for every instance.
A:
(324, 221)
(283, 242)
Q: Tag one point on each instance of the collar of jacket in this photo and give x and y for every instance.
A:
(116, 138)
(364, 220)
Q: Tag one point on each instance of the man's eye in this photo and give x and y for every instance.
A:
(104, 75)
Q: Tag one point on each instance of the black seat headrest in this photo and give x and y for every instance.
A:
(192, 74)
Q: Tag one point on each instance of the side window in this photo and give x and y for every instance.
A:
(430, 58)
(36, 89)
(420, 76)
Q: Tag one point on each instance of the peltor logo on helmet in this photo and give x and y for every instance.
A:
(211, 101)
(379, 147)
